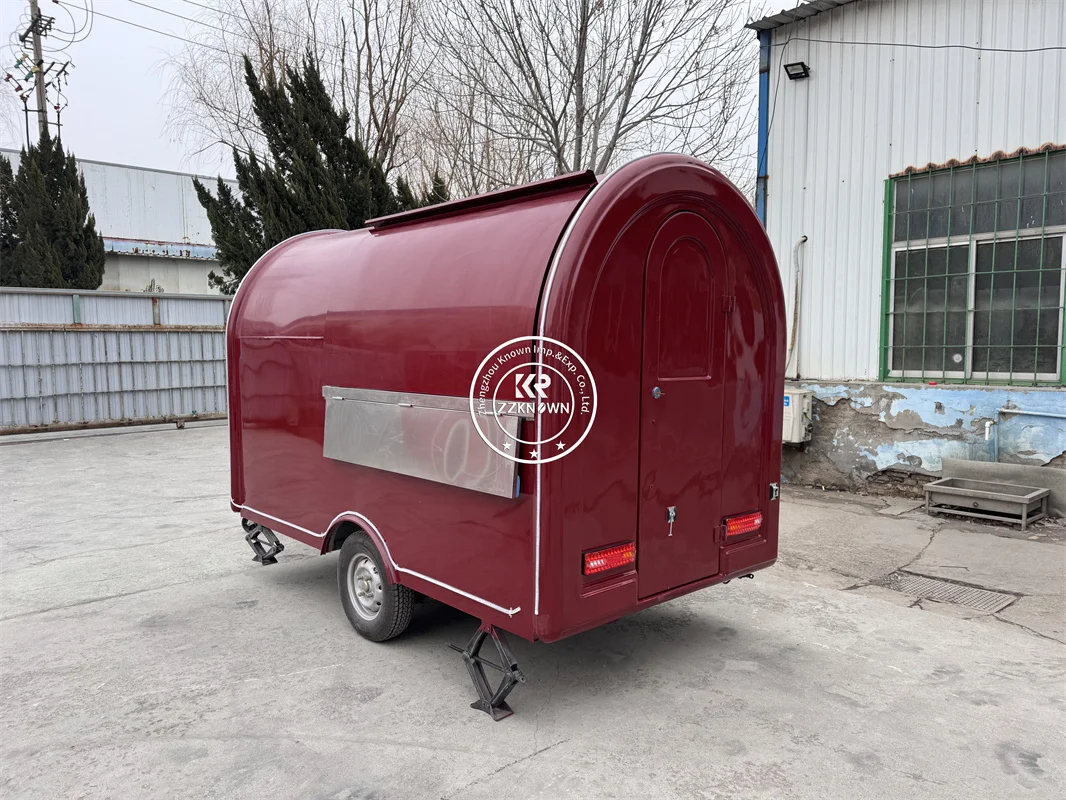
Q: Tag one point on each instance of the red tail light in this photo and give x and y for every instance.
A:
(610, 558)
(743, 523)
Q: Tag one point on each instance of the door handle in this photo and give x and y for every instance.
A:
(671, 515)
(656, 392)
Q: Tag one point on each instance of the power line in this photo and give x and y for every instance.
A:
(42, 80)
(175, 14)
(216, 10)
(86, 25)
(275, 26)
(153, 30)
(239, 17)
(917, 46)
(247, 36)
(244, 34)
(763, 158)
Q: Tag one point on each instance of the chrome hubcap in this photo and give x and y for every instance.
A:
(366, 588)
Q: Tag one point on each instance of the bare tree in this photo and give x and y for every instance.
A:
(585, 84)
(209, 101)
(11, 119)
(487, 92)
(390, 66)
(367, 50)
(455, 138)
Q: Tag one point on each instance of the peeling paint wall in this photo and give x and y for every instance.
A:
(871, 435)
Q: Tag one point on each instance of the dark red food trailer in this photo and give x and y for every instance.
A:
(644, 307)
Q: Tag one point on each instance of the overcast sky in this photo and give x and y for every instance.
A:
(117, 92)
(118, 84)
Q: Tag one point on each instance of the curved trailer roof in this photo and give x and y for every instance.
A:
(442, 285)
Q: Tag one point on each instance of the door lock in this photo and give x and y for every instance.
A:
(656, 392)
(671, 515)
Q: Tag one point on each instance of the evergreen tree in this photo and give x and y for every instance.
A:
(48, 236)
(315, 176)
(405, 196)
(79, 247)
(437, 193)
(8, 222)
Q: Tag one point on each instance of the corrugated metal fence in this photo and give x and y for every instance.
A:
(83, 359)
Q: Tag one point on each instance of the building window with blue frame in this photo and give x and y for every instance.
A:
(975, 270)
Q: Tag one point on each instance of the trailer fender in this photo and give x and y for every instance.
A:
(338, 531)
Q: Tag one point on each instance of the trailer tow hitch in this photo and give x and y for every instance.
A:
(492, 702)
(263, 542)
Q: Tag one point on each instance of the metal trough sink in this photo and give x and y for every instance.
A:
(987, 499)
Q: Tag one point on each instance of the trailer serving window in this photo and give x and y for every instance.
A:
(974, 272)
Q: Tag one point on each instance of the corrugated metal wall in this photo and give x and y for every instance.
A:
(91, 358)
(870, 110)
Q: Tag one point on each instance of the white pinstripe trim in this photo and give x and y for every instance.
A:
(388, 554)
(540, 329)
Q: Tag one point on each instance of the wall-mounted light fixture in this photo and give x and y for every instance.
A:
(797, 71)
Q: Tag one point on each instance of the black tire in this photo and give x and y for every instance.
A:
(377, 609)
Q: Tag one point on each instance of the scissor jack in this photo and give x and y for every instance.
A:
(492, 702)
(263, 542)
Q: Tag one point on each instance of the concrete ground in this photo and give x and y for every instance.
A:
(143, 654)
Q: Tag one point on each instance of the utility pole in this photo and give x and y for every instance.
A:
(36, 26)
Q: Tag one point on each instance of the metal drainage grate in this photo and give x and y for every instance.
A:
(944, 592)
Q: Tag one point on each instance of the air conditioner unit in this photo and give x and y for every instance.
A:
(798, 419)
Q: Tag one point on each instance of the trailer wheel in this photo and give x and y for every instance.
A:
(377, 609)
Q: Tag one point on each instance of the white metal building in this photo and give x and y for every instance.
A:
(156, 233)
(912, 178)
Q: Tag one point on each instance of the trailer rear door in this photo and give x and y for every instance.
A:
(686, 295)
